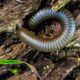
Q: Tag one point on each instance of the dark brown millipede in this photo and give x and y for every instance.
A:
(49, 45)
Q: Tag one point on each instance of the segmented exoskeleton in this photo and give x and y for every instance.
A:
(49, 45)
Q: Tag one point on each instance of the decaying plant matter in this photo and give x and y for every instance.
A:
(50, 66)
(12, 13)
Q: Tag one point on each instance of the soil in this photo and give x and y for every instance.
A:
(59, 65)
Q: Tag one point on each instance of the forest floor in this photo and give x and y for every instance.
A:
(59, 65)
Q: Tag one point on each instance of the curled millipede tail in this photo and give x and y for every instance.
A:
(49, 45)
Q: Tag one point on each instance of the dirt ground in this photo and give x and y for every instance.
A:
(58, 65)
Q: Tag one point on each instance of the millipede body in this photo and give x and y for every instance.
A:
(49, 45)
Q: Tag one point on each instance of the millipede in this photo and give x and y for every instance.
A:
(49, 45)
